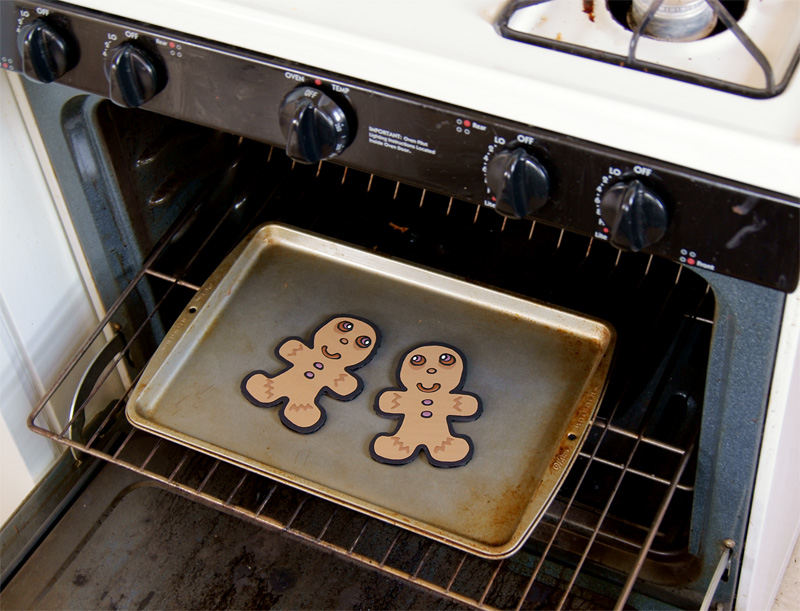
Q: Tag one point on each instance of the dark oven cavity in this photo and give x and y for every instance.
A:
(659, 486)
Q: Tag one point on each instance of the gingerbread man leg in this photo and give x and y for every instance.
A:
(450, 450)
(393, 448)
(305, 416)
(300, 412)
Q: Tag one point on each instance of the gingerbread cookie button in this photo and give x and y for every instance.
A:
(427, 403)
(322, 366)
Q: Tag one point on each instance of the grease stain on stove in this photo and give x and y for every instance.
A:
(588, 8)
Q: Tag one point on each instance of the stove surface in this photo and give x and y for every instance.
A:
(773, 27)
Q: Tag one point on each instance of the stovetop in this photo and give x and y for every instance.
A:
(683, 39)
(450, 51)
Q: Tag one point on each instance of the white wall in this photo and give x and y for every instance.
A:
(45, 311)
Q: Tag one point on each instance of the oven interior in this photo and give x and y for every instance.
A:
(158, 203)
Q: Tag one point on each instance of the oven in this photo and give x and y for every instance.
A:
(549, 150)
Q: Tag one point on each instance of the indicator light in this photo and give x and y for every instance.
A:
(172, 45)
(317, 82)
(690, 261)
(467, 123)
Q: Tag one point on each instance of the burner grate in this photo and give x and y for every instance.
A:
(774, 66)
(594, 533)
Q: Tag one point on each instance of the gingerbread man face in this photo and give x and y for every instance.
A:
(345, 340)
(431, 369)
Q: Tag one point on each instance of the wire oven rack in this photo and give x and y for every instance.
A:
(576, 554)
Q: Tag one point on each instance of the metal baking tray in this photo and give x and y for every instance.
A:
(540, 372)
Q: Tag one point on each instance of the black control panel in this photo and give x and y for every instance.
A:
(633, 202)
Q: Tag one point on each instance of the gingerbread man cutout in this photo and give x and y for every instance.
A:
(427, 403)
(324, 366)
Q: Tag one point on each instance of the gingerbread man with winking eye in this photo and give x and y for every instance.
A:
(323, 366)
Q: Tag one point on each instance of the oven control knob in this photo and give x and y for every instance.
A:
(48, 52)
(518, 181)
(134, 75)
(635, 215)
(315, 127)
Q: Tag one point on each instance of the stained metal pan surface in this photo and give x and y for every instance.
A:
(539, 371)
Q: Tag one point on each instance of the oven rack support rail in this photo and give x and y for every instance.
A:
(109, 437)
(770, 88)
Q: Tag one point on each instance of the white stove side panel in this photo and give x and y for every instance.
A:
(45, 312)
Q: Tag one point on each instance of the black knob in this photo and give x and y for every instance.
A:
(47, 51)
(518, 181)
(315, 127)
(134, 75)
(635, 215)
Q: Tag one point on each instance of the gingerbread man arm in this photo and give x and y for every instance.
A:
(290, 347)
(465, 405)
(389, 402)
(344, 385)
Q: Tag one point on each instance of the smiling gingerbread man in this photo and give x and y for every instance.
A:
(429, 400)
(323, 366)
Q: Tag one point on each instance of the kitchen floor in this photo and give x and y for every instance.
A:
(789, 594)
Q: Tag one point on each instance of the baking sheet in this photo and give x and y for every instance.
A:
(540, 372)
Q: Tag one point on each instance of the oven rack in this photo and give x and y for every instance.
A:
(557, 568)
(248, 495)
